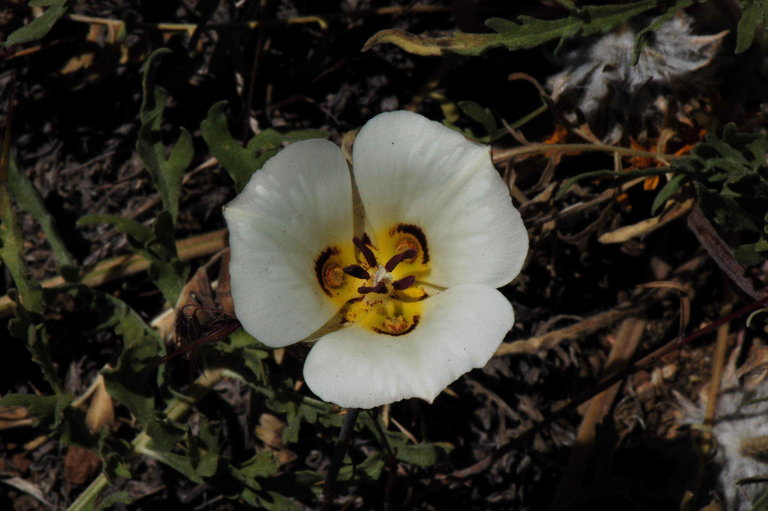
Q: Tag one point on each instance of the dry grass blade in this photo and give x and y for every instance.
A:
(628, 338)
(586, 326)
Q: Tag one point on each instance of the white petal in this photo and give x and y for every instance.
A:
(460, 330)
(299, 203)
(416, 171)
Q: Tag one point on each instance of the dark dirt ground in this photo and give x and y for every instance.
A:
(75, 126)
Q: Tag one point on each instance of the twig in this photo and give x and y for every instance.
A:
(501, 155)
(719, 251)
(583, 327)
(339, 452)
(672, 345)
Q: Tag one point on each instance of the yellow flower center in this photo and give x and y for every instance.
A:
(377, 286)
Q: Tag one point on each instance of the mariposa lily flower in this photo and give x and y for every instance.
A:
(392, 267)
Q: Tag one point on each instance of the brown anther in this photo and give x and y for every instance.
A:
(333, 275)
(404, 283)
(379, 288)
(362, 246)
(356, 271)
(398, 258)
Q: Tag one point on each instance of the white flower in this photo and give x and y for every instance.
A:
(392, 266)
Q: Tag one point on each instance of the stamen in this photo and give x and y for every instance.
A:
(398, 258)
(356, 271)
(333, 275)
(404, 283)
(379, 288)
(362, 245)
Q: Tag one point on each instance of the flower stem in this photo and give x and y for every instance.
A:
(339, 452)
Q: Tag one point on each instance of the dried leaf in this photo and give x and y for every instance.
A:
(101, 410)
(80, 464)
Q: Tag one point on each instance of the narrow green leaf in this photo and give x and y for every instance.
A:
(167, 270)
(156, 244)
(136, 230)
(166, 172)
(12, 253)
(667, 191)
(48, 410)
(39, 27)
(30, 308)
(754, 14)
(29, 199)
(642, 37)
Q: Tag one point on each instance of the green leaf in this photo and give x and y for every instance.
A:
(48, 410)
(115, 456)
(128, 382)
(483, 116)
(672, 186)
(754, 14)
(178, 462)
(241, 162)
(273, 501)
(119, 497)
(425, 454)
(371, 468)
(166, 172)
(167, 270)
(236, 160)
(730, 176)
(155, 244)
(262, 465)
(27, 324)
(243, 355)
(525, 32)
(203, 450)
(39, 27)
(138, 231)
(751, 254)
(29, 199)
(642, 37)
